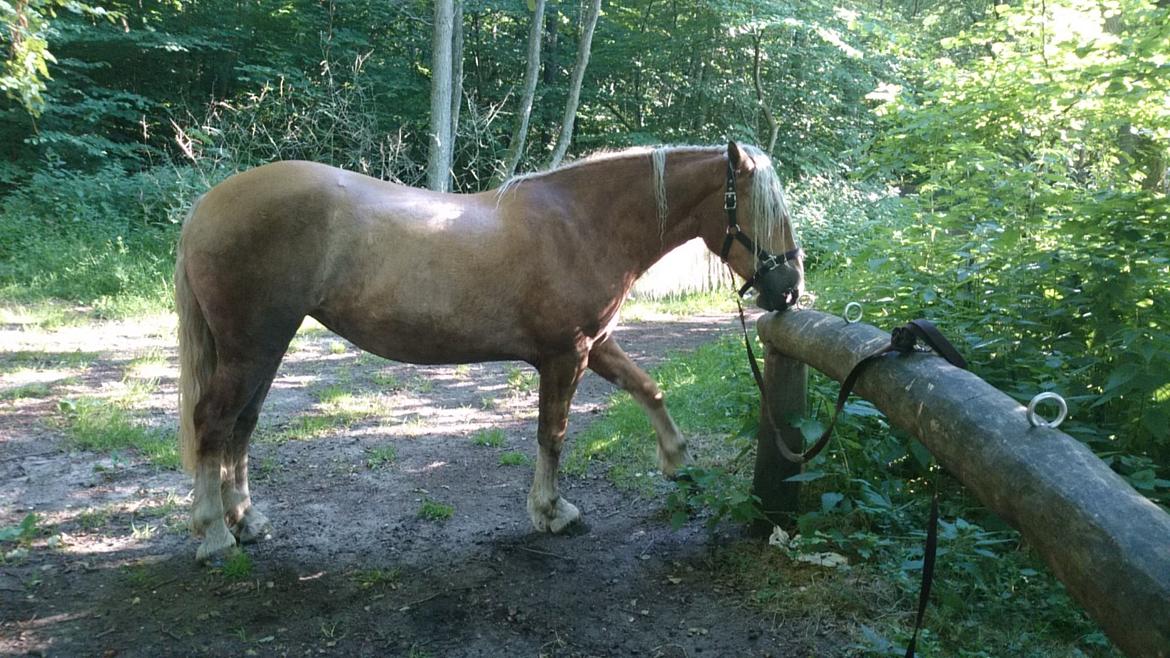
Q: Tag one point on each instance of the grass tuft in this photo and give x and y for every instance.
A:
(435, 511)
(489, 438)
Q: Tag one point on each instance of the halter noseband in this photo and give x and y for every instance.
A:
(765, 260)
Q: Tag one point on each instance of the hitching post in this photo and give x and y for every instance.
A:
(786, 383)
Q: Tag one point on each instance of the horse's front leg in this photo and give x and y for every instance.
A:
(558, 381)
(608, 360)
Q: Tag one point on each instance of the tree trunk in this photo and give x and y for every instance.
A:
(584, 48)
(516, 146)
(773, 129)
(456, 76)
(439, 159)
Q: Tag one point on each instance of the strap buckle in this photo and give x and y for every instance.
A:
(729, 200)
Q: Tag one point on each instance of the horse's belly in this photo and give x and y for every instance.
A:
(437, 341)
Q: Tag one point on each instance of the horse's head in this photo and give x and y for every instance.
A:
(759, 243)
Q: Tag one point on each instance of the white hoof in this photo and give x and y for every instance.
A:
(553, 518)
(217, 541)
(253, 527)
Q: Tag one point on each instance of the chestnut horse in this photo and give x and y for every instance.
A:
(534, 271)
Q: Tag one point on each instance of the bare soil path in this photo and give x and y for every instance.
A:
(349, 450)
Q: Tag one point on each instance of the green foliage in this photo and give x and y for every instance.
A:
(514, 459)
(22, 533)
(435, 511)
(110, 427)
(489, 438)
(381, 456)
(237, 567)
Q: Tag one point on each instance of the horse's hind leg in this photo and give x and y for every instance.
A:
(245, 522)
(608, 360)
(234, 384)
(558, 381)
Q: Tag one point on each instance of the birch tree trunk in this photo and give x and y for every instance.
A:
(516, 146)
(439, 158)
(583, 51)
(773, 129)
(456, 76)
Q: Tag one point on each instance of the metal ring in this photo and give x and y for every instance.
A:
(851, 306)
(806, 300)
(1061, 414)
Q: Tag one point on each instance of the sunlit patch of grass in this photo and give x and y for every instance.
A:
(337, 409)
(93, 518)
(147, 366)
(462, 370)
(106, 426)
(521, 380)
(489, 438)
(432, 510)
(682, 305)
(44, 315)
(27, 391)
(42, 360)
(514, 459)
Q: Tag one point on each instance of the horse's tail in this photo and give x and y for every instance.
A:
(196, 356)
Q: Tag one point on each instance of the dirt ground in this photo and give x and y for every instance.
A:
(352, 569)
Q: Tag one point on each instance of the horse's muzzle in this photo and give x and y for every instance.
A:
(779, 287)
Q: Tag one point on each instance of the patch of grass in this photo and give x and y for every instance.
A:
(105, 426)
(27, 391)
(682, 305)
(387, 380)
(147, 365)
(237, 567)
(489, 438)
(521, 380)
(462, 370)
(488, 403)
(46, 314)
(514, 459)
(432, 510)
(42, 360)
(381, 456)
(337, 347)
(371, 578)
(422, 385)
(93, 518)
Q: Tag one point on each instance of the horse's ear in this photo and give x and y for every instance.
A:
(734, 155)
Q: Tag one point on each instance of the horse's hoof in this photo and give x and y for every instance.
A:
(554, 519)
(215, 547)
(671, 463)
(252, 528)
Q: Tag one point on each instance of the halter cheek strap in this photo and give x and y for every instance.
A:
(765, 261)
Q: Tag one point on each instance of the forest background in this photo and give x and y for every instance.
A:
(1001, 168)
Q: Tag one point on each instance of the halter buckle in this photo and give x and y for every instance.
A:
(729, 200)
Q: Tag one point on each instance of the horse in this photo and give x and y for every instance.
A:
(533, 271)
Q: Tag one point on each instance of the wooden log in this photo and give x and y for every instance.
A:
(787, 382)
(1107, 543)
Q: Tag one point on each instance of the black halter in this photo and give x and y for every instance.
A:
(765, 261)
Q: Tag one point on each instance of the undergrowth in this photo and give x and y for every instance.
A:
(866, 499)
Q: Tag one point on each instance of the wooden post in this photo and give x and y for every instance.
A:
(786, 383)
(1107, 543)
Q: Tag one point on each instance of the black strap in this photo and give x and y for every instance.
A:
(928, 557)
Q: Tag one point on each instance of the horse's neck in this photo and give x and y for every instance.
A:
(624, 206)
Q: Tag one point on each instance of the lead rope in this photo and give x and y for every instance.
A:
(902, 339)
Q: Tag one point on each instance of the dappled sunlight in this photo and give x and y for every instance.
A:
(432, 466)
